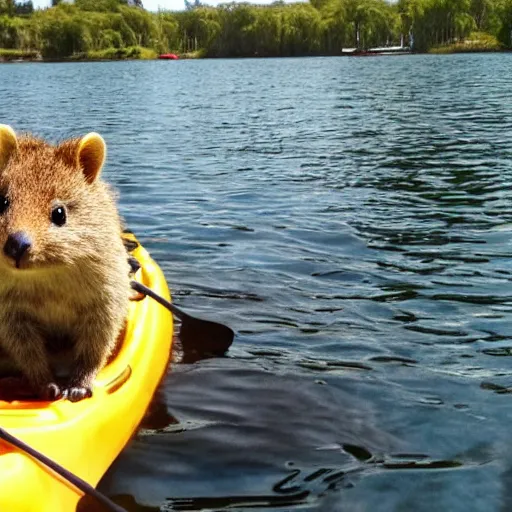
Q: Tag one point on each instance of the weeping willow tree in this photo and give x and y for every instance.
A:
(505, 29)
(358, 23)
(427, 23)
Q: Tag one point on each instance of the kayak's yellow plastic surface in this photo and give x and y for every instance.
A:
(85, 437)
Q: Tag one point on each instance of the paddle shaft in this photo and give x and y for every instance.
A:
(175, 310)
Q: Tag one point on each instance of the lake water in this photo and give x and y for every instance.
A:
(351, 219)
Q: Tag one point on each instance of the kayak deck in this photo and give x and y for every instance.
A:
(85, 437)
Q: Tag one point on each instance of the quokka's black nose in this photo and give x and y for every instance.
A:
(16, 246)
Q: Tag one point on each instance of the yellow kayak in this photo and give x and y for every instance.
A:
(85, 437)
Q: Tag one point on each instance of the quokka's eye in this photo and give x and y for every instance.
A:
(59, 216)
(4, 204)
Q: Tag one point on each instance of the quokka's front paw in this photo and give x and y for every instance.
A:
(71, 392)
(52, 391)
(77, 393)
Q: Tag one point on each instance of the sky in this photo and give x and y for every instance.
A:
(171, 5)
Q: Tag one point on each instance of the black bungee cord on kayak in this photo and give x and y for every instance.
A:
(86, 488)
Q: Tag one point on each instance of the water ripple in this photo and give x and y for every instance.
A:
(351, 219)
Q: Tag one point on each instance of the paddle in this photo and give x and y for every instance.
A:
(196, 335)
(199, 338)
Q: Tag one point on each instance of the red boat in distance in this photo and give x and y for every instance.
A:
(168, 56)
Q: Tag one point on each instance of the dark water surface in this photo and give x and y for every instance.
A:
(351, 220)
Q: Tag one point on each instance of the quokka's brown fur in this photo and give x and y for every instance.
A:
(67, 298)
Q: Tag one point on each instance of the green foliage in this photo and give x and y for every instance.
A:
(505, 30)
(24, 8)
(111, 39)
(133, 52)
(63, 36)
(9, 55)
(142, 23)
(98, 5)
(7, 7)
(14, 33)
(438, 22)
(111, 29)
(476, 41)
(86, 27)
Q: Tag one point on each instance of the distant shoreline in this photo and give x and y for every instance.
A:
(360, 55)
(8, 56)
(113, 55)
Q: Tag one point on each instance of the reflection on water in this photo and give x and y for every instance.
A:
(351, 220)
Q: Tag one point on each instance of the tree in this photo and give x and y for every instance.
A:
(24, 8)
(192, 4)
(7, 7)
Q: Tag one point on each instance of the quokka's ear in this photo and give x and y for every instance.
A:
(8, 145)
(90, 155)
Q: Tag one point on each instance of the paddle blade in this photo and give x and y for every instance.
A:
(199, 338)
(204, 338)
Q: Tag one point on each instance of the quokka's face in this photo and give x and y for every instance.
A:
(47, 197)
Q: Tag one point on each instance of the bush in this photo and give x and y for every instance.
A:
(133, 52)
(10, 54)
(475, 42)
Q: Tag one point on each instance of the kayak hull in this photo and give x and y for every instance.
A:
(85, 437)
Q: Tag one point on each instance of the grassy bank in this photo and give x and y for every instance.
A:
(8, 55)
(130, 53)
(475, 42)
(199, 54)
